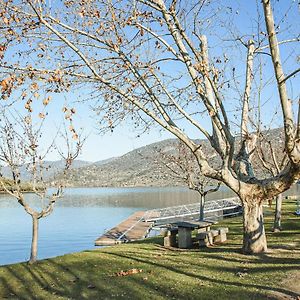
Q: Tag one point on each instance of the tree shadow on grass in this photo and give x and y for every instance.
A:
(205, 278)
(83, 279)
(11, 291)
(251, 270)
(152, 240)
(50, 279)
(263, 259)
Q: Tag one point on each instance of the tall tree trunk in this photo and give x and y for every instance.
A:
(254, 240)
(34, 243)
(277, 217)
(202, 200)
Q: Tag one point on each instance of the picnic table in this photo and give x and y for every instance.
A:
(184, 230)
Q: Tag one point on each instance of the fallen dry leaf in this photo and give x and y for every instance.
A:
(241, 274)
(129, 272)
(91, 286)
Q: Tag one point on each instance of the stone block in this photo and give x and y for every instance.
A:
(223, 230)
(214, 233)
(201, 235)
(170, 241)
(221, 238)
(185, 238)
(204, 229)
(203, 243)
(205, 238)
(170, 237)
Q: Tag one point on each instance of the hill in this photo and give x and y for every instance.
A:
(136, 168)
(144, 167)
(51, 168)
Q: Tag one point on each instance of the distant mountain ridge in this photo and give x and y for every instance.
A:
(51, 168)
(139, 167)
(135, 168)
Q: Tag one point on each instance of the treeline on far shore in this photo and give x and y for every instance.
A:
(9, 184)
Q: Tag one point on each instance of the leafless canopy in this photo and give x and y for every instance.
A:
(21, 152)
(191, 67)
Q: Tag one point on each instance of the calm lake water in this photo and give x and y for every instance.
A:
(80, 217)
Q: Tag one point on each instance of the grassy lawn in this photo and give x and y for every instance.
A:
(219, 272)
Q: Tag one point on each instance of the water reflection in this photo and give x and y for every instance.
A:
(81, 216)
(116, 197)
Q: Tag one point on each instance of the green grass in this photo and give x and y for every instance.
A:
(219, 272)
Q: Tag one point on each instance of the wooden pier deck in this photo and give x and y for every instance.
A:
(132, 229)
(138, 225)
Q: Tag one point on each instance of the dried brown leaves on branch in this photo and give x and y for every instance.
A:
(186, 66)
(21, 146)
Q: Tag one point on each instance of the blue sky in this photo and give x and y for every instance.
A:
(124, 138)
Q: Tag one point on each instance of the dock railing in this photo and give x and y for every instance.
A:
(122, 237)
(193, 209)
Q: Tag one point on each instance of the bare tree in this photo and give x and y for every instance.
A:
(150, 60)
(20, 147)
(273, 162)
(182, 165)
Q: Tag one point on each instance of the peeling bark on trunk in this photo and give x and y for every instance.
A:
(202, 200)
(277, 217)
(34, 243)
(254, 240)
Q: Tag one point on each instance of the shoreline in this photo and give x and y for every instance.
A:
(135, 270)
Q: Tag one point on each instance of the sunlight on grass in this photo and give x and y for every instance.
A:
(219, 272)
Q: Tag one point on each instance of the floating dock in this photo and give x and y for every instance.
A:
(132, 229)
(138, 225)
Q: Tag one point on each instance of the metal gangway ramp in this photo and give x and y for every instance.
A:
(226, 206)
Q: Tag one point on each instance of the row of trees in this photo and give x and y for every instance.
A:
(150, 60)
(182, 165)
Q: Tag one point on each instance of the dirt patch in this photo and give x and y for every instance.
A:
(280, 296)
(287, 246)
(292, 284)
